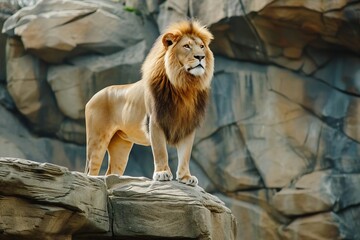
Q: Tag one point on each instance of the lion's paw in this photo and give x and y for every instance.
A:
(162, 176)
(191, 180)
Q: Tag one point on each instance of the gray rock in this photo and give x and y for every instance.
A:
(46, 201)
(72, 131)
(255, 220)
(339, 109)
(147, 206)
(312, 194)
(17, 141)
(349, 226)
(172, 11)
(234, 168)
(5, 98)
(320, 226)
(26, 82)
(57, 201)
(346, 190)
(337, 67)
(75, 84)
(75, 27)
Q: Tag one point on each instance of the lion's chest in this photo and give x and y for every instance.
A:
(178, 116)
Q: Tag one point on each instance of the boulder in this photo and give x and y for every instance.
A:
(75, 27)
(75, 84)
(269, 31)
(340, 108)
(46, 201)
(17, 141)
(144, 209)
(170, 12)
(321, 226)
(72, 131)
(255, 220)
(26, 82)
(318, 192)
(258, 219)
(95, 58)
(312, 194)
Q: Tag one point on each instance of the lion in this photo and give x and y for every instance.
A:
(164, 107)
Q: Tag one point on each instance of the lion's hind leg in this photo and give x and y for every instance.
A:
(95, 149)
(119, 150)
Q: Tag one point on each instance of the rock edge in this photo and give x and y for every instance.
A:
(46, 201)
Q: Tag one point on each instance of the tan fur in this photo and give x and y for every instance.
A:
(164, 107)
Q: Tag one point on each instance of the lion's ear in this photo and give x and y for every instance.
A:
(168, 39)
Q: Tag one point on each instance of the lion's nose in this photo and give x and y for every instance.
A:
(199, 57)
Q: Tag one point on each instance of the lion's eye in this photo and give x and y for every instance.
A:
(187, 46)
(202, 46)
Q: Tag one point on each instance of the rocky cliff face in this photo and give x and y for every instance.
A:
(280, 143)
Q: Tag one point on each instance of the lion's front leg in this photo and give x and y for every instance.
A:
(184, 148)
(162, 170)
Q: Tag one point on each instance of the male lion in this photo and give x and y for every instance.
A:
(165, 106)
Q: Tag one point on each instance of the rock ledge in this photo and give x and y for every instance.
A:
(46, 201)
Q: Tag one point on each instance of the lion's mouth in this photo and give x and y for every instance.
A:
(197, 66)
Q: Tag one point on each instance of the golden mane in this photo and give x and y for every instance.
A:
(179, 98)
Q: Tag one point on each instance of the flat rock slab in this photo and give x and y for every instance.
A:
(146, 209)
(46, 201)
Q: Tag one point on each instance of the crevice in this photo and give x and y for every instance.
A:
(348, 4)
(344, 209)
(44, 203)
(251, 158)
(253, 30)
(75, 19)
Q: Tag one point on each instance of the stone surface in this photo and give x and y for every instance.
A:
(312, 194)
(252, 211)
(5, 98)
(80, 27)
(46, 201)
(143, 208)
(29, 88)
(235, 170)
(17, 141)
(88, 57)
(76, 83)
(320, 226)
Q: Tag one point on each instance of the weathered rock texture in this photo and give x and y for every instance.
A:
(281, 140)
(46, 201)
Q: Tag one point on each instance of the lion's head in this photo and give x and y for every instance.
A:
(182, 53)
